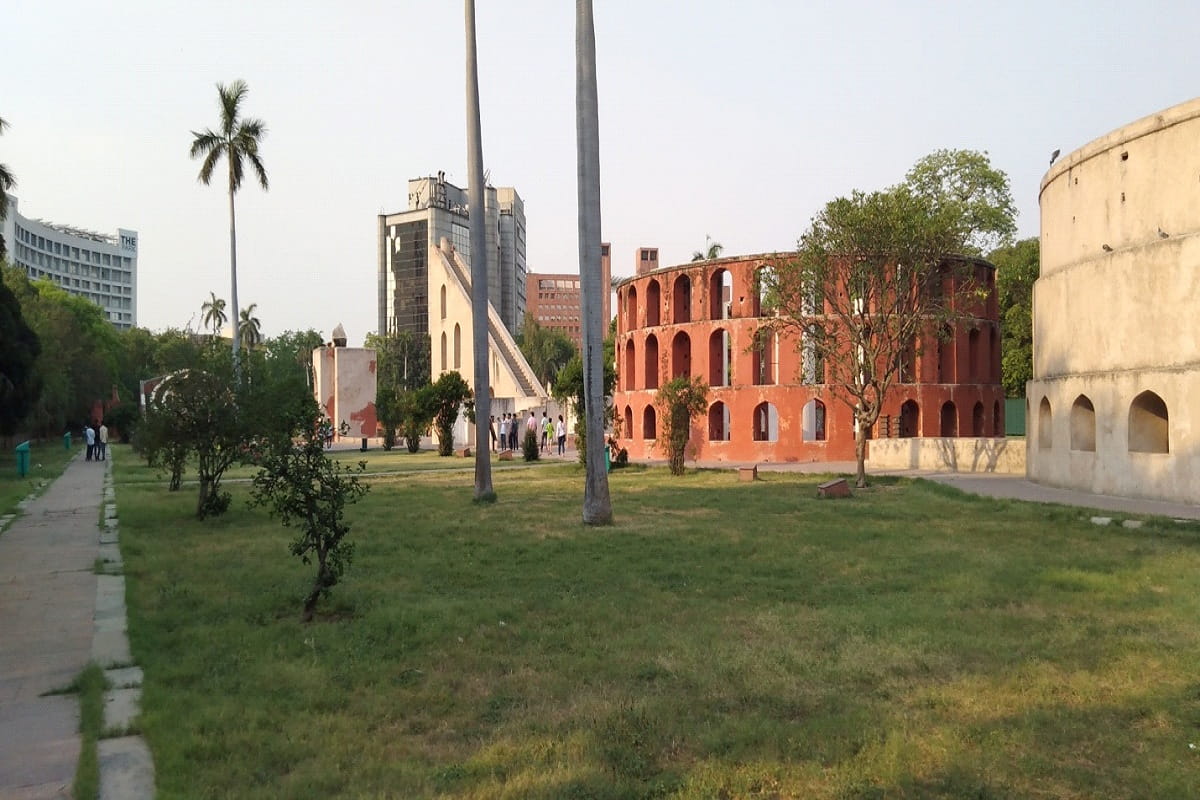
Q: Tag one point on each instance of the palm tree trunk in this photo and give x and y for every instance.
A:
(479, 269)
(237, 367)
(597, 504)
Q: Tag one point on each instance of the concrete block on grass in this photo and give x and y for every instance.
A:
(835, 488)
(126, 769)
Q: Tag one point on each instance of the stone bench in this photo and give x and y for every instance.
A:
(748, 473)
(834, 488)
(506, 455)
(463, 452)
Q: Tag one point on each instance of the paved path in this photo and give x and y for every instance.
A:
(47, 600)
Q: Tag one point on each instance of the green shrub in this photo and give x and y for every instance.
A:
(529, 446)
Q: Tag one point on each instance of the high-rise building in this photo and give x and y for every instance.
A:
(408, 239)
(97, 266)
(555, 301)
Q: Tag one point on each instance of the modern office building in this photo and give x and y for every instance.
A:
(98, 266)
(438, 210)
(555, 301)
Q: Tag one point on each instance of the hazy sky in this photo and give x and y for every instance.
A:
(736, 119)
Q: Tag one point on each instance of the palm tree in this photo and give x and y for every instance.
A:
(597, 503)
(712, 249)
(213, 312)
(7, 183)
(237, 141)
(479, 274)
(249, 328)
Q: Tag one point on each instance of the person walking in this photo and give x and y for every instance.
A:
(103, 444)
(89, 436)
(561, 431)
(504, 431)
(492, 430)
(514, 425)
(545, 428)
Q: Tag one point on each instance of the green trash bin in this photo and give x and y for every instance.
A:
(67, 440)
(22, 459)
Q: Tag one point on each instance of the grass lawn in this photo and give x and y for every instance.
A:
(378, 460)
(47, 460)
(722, 640)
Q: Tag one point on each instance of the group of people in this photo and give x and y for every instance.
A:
(96, 437)
(546, 430)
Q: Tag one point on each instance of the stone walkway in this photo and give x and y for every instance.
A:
(62, 604)
(47, 600)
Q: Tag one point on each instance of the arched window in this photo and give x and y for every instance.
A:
(1083, 424)
(997, 420)
(977, 419)
(949, 419)
(718, 422)
(720, 294)
(1149, 429)
(681, 356)
(973, 344)
(719, 357)
(993, 359)
(910, 419)
(627, 374)
(763, 359)
(457, 346)
(812, 421)
(763, 278)
(652, 362)
(649, 428)
(946, 355)
(443, 301)
(1045, 425)
(443, 351)
(766, 423)
(681, 300)
(653, 304)
(631, 309)
(628, 422)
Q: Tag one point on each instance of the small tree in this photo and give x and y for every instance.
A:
(416, 412)
(448, 395)
(159, 441)
(529, 446)
(309, 491)
(387, 407)
(679, 401)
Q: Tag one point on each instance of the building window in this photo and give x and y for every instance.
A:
(977, 419)
(910, 415)
(949, 426)
(649, 428)
(457, 346)
(766, 423)
(1149, 428)
(718, 422)
(443, 301)
(812, 421)
(443, 351)
(651, 362)
(1083, 424)
(1045, 425)
(681, 356)
(653, 304)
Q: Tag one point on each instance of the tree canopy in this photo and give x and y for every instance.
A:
(19, 351)
(1016, 269)
(546, 350)
(965, 184)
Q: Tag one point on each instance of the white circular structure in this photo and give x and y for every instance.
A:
(1115, 393)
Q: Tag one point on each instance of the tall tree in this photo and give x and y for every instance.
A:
(237, 141)
(7, 182)
(479, 268)
(213, 313)
(546, 350)
(871, 281)
(597, 502)
(1016, 270)
(249, 327)
(712, 249)
(964, 182)
(19, 350)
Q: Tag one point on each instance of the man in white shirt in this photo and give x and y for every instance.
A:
(89, 436)
(102, 448)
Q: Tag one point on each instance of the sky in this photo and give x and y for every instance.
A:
(735, 120)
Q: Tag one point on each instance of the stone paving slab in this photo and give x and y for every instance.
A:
(111, 648)
(126, 769)
(121, 707)
(39, 747)
(124, 677)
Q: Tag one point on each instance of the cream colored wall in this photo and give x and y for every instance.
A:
(503, 381)
(961, 454)
(1115, 307)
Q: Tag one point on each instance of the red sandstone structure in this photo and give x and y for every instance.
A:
(555, 300)
(770, 403)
